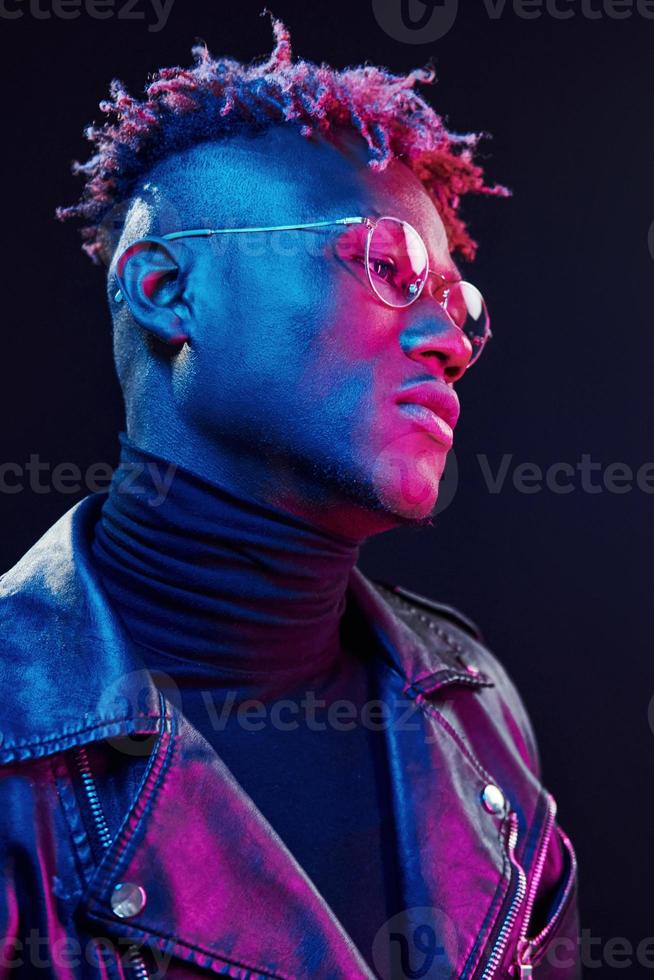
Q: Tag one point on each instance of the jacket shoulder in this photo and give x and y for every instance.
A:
(452, 637)
(441, 609)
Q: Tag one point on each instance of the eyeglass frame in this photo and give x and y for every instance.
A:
(370, 224)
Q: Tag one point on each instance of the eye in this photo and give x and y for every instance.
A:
(382, 268)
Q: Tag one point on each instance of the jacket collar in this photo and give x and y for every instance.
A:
(67, 669)
(70, 675)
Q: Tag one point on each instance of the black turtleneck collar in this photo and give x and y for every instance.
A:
(217, 588)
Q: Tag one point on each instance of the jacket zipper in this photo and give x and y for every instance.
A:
(505, 932)
(527, 947)
(133, 957)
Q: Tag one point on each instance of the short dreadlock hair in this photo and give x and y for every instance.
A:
(217, 98)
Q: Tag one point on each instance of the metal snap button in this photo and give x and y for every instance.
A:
(127, 899)
(469, 667)
(493, 799)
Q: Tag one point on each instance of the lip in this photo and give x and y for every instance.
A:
(433, 405)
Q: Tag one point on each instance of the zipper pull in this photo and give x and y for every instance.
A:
(525, 969)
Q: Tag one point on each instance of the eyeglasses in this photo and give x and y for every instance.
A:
(396, 263)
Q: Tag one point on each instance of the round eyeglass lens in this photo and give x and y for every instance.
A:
(466, 307)
(396, 261)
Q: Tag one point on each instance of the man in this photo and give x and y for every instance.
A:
(225, 750)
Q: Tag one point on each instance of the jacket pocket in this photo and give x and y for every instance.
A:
(548, 943)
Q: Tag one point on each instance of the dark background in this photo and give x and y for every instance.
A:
(560, 583)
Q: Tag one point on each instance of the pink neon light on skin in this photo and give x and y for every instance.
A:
(403, 363)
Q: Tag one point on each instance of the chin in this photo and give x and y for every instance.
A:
(407, 476)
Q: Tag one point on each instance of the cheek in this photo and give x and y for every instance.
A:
(343, 370)
(251, 354)
(361, 366)
(261, 363)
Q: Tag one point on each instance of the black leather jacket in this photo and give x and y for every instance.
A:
(129, 850)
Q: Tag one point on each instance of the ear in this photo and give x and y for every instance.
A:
(151, 275)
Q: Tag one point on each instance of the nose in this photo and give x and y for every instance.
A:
(432, 339)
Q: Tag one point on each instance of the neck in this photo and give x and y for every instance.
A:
(292, 486)
(216, 587)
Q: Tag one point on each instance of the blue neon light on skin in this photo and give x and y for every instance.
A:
(263, 363)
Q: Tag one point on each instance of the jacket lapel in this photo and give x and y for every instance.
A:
(222, 890)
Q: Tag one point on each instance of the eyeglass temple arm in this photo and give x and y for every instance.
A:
(209, 232)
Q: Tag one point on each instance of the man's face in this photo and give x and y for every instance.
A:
(294, 365)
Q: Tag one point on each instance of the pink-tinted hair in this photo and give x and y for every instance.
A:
(186, 106)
